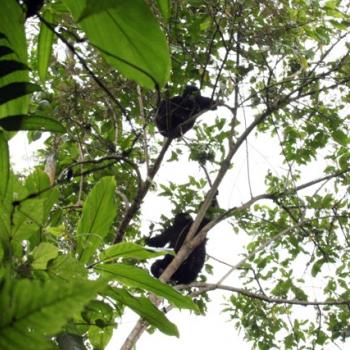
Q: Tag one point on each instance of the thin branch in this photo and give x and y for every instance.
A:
(206, 287)
(134, 207)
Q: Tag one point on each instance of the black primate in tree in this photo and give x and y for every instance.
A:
(175, 236)
(33, 7)
(175, 116)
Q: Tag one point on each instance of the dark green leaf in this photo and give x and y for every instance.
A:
(138, 278)
(14, 90)
(4, 51)
(10, 66)
(32, 311)
(146, 310)
(31, 122)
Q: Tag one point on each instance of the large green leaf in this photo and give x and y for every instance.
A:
(129, 250)
(138, 278)
(13, 39)
(4, 164)
(32, 311)
(45, 42)
(146, 310)
(135, 44)
(31, 122)
(13, 91)
(98, 214)
(10, 66)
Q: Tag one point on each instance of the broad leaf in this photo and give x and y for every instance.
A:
(13, 39)
(42, 254)
(98, 214)
(146, 310)
(13, 91)
(138, 278)
(31, 122)
(32, 311)
(10, 66)
(129, 250)
(135, 44)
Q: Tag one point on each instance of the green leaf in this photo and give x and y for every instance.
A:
(10, 66)
(28, 219)
(135, 44)
(32, 311)
(138, 278)
(12, 91)
(5, 50)
(98, 214)
(4, 164)
(31, 122)
(45, 42)
(67, 267)
(143, 307)
(42, 254)
(340, 137)
(129, 250)
(13, 35)
(164, 7)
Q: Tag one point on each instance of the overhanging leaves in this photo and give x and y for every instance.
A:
(146, 310)
(31, 122)
(12, 91)
(138, 278)
(135, 45)
(32, 311)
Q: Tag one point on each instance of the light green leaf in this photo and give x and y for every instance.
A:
(129, 250)
(4, 165)
(67, 267)
(42, 254)
(28, 219)
(33, 311)
(135, 44)
(45, 42)
(138, 278)
(98, 214)
(31, 122)
(143, 307)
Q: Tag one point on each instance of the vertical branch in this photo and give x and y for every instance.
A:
(141, 193)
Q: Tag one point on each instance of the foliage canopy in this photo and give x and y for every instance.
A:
(71, 231)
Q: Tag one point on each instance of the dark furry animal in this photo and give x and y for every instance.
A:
(175, 235)
(33, 7)
(175, 116)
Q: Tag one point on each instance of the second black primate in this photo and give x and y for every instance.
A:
(175, 116)
(175, 236)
